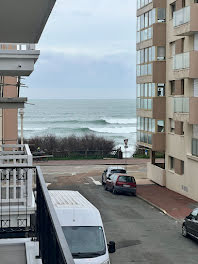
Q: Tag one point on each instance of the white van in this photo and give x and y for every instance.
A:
(83, 228)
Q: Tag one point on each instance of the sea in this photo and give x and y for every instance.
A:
(111, 119)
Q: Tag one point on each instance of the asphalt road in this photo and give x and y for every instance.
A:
(142, 233)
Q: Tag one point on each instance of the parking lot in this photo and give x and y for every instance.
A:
(142, 233)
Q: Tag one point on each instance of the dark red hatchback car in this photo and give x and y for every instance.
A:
(121, 183)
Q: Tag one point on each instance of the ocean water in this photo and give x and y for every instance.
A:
(112, 119)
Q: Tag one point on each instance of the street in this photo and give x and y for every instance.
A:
(142, 233)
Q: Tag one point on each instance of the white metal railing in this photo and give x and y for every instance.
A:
(16, 155)
(181, 16)
(17, 46)
(181, 105)
(181, 61)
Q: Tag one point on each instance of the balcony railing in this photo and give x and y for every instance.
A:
(181, 16)
(181, 61)
(181, 105)
(13, 154)
(20, 46)
(195, 147)
(53, 246)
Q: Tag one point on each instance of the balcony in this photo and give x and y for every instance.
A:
(159, 142)
(185, 21)
(17, 60)
(157, 73)
(181, 105)
(185, 65)
(12, 103)
(46, 234)
(157, 38)
(193, 106)
(147, 5)
(33, 16)
(156, 174)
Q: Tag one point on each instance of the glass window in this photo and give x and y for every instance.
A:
(153, 89)
(153, 15)
(146, 20)
(171, 159)
(172, 87)
(142, 90)
(149, 138)
(149, 90)
(146, 55)
(138, 90)
(85, 241)
(150, 18)
(172, 125)
(138, 57)
(161, 14)
(138, 103)
(142, 103)
(126, 179)
(138, 37)
(145, 89)
(138, 122)
(142, 56)
(153, 53)
(145, 104)
(160, 89)
(161, 53)
(150, 125)
(138, 136)
(142, 21)
(150, 30)
(146, 124)
(138, 23)
(160, 126)
(150, 69)
(153, 125)
(141, 123)
(138, 70)
(149, 104)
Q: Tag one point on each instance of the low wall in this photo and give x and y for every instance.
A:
(156, 174)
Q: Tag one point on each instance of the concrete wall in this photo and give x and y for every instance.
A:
(10, 116)
(156, 174)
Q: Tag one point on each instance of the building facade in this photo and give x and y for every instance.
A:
(167, 91)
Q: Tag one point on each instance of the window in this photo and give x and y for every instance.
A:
(171, 159)
(182, 86)
(172, 9)
(161, 15)
(160, 89)
(161, 53)
(172, 87)
(183, 3)
(172, 125)
(182, 128)
(160, 126)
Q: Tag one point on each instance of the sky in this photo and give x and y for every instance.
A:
(87, 51)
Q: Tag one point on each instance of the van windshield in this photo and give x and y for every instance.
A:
(85, 241)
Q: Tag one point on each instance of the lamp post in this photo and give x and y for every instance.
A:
(126, 146)
(21, 112)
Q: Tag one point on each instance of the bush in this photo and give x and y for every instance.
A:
(88, 145)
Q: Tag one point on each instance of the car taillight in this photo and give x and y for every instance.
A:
(119, 183)
(133, 184)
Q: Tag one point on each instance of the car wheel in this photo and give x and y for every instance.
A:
(103, 183)
(114, 191)
(184, 231)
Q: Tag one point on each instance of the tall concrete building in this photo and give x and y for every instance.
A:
(167, 91)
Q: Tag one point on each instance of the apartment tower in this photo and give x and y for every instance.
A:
(167, 91)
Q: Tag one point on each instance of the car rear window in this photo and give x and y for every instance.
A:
(118, 171)
(126, 179)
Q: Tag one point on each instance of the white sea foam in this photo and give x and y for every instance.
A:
(116, 130)
(121, 120)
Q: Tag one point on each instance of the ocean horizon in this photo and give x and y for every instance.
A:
(113, 119)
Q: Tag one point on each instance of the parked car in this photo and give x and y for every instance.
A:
(111, 170)
(121, 183)
(190, 224)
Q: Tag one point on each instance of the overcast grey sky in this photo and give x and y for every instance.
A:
(87, 51)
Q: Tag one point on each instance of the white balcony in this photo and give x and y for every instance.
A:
(16, 185)
(17, 60)
(181, 16)
(23, 21)
(181, 105)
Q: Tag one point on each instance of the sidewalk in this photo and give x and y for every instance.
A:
(171, 203)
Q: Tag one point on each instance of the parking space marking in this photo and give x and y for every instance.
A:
(95, 182)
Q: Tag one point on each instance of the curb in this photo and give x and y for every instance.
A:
(159, 208)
